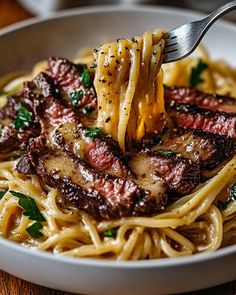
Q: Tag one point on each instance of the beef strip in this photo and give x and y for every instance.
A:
(101, 195)
(10, 138)
(203, 100)
(48, 104)
(191, 117)
(25, 166)
(101, 152)
(69, 78)
(181, 174)
(207, 149)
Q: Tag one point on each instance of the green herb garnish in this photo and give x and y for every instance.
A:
(195, 78)
(110, 233)
(2, 194)
(223, 204)
(167, 152)
(92, 132)
(86, 78)
(88, 110)
(23, 118)
(29, 206)
(232, 192)
(76, 97)
(34, 230)
(1, 129)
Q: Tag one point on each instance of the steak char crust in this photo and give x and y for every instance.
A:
(206, 149)
(191, 117)
(203, 100)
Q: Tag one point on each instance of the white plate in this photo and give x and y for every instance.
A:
(61, 35)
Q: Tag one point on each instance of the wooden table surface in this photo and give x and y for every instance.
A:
(10, 12)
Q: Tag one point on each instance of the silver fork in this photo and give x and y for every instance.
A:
(183, 40)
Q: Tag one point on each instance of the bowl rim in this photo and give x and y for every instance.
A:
(97, 262)
(109, 8)
(153, 263)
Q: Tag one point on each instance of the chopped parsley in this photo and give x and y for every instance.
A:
(223, 204)
(167, 152)
(76, 97)
(34, 230)
(2, 194)
(1, 129)
(197, 71)
(86, 78)
(110, 233)
(92, 132)
(23, 118)
(29, 206)
(232, 192)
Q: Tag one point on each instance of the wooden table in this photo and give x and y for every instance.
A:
(10, 12)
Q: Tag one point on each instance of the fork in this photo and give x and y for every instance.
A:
(183, 40)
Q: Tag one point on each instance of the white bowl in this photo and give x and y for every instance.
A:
(21, 46)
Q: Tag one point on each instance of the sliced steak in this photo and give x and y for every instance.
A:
(101, 152)
(34, 93)
(101, 195)
(181, 174)
(203, 100)
(48, 105)
(24, 166)
(11, 138)
(76, 81)
(191, 117)
(207, 149)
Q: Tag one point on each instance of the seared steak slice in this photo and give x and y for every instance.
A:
(76, 81)
(101, 195)
(33, 95)
(8, 112)
(40, 87)
(11, 138)
(207, 149)
(101, 152)
(47, 86)
(24, 166)
(47, 103)
(181, 174)
(191, 117)
(203, 100)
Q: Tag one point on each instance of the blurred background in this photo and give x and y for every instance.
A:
(15, 10)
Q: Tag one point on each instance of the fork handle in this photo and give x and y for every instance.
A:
(215, 15)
